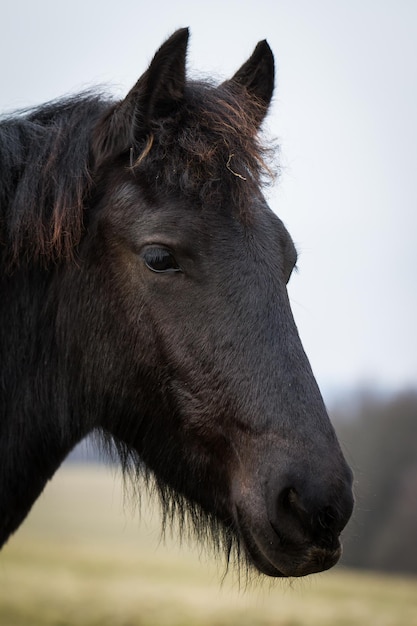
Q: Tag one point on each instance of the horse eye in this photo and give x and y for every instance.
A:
(160, 260)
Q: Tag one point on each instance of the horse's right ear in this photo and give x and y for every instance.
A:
(156, 95)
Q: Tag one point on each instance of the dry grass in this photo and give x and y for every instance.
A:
(82, 559)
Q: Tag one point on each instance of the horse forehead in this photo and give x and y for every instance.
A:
(170, 213)
(124, 195)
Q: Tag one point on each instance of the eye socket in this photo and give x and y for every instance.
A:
(160, 260)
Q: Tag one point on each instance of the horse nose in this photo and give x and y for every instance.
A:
(314, 512)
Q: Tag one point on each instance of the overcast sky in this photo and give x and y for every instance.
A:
(345, 114)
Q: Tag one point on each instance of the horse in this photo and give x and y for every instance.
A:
(144, 299)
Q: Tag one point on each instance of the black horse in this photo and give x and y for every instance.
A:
(143, 296)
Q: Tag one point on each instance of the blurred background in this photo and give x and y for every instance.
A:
(344, 114)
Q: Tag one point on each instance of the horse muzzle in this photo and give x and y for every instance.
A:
(296, 532)
(274, 556)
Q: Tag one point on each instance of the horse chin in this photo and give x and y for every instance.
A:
(296, 565)
(271, 556)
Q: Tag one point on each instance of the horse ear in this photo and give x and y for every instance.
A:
(156, 95)
(161, 89)
(257, 76)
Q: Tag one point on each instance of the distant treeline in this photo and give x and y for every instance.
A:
(379, 437)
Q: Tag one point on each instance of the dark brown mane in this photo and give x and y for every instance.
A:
(215, 149)
(45, 177)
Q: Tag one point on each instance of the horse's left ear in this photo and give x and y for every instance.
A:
(257, 76)
(160, 90)
(156, 95)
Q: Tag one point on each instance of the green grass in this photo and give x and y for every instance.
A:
(82, 559)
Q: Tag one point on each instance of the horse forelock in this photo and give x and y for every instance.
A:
(210, 149)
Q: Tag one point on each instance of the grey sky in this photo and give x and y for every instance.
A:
(345, 114)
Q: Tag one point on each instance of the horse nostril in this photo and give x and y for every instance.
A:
(309, 515)
(291, 507)
(291, 502)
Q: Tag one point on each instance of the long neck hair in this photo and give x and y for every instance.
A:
(45, 176)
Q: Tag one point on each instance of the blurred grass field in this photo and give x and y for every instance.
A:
(83, 558)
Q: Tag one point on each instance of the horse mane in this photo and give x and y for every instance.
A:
(45, 176)
(209, 148)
